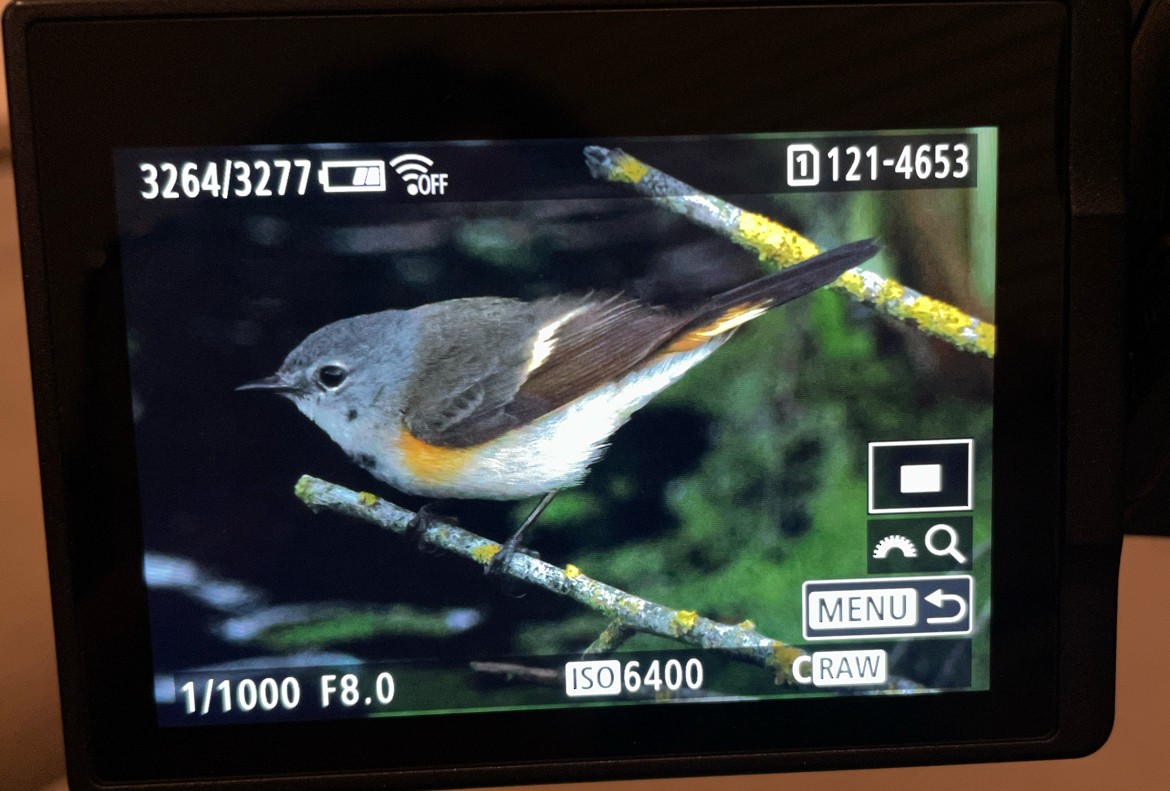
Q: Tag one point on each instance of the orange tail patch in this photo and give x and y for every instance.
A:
(740, 314)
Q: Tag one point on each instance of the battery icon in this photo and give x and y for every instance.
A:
(353, 175)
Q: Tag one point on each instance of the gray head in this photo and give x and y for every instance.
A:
(348, 375)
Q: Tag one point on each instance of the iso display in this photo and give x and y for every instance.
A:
(612, 677)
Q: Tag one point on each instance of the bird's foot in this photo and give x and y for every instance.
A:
(424, 518)
(496, 565)
(508, 549)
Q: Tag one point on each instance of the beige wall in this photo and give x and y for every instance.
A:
(31, 757)
(30, 745)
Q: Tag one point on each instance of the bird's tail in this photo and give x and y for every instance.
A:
(724, 312)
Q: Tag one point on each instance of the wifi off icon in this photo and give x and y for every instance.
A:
(415, 170)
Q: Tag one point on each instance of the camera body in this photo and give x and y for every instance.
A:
(804, 368)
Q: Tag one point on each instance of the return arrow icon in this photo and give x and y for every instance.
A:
(939, 599)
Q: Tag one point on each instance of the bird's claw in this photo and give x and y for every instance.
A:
(416, 528)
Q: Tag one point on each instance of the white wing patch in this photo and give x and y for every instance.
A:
(546, 339)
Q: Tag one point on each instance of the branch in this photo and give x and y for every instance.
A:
(611, 639)
(741, 642)
(784, 247)
(303, 627)
(544, 676)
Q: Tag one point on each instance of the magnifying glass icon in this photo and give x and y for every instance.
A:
(951, 547)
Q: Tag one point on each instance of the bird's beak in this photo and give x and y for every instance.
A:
(272, 384)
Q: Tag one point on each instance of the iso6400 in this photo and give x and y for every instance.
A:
(612, 677)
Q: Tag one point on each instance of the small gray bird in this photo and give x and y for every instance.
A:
(492, 398)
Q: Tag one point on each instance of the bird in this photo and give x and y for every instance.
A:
(497, 398)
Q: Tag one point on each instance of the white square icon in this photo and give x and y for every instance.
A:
(921, 478)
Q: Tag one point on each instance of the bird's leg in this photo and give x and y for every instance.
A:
(422, 519)
(501, 558)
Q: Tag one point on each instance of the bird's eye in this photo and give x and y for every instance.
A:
(331, 376)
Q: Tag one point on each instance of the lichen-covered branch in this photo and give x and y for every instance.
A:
(782, 247)
(742, 641)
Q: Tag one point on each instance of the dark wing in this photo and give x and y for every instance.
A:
(598, 343)
(606, 340)
(490, 365)
(469, 364)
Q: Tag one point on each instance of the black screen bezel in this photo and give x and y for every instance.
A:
(150, 87)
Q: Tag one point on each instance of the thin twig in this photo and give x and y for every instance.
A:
(740, 642)
(610, 640)
(783, 247)
(544, 676)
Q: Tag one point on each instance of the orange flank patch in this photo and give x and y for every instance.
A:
(432, 463)
(740, 314)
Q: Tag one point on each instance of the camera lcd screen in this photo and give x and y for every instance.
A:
(741, 387)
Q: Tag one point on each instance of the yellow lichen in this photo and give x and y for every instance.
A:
(938, 318)
(628, 170)
(630, 604)
(485, 552)
(923, 312)
(683, 622)
(304, 489)
(946, 321)
(853, 283)
(747, 623)
(774, 242)
(572, 572)
(889, 292)
(985, 338)
(931, 315)
(782, 658)
(367, 499)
